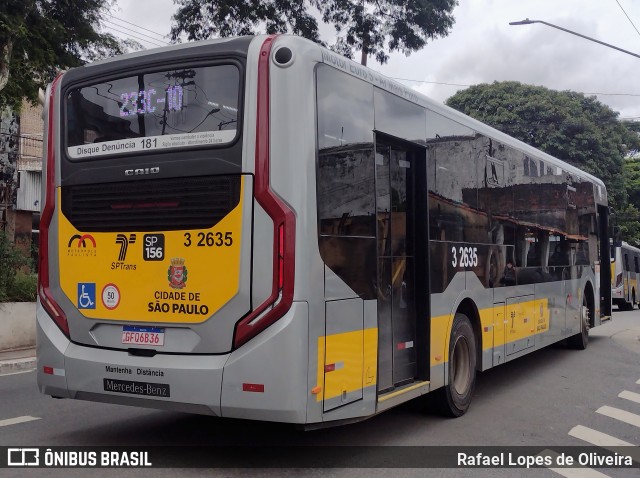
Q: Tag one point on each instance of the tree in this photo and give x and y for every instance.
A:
(370, 26)
(632, 179)
(628, 218)
(568, 125)
(39, 38)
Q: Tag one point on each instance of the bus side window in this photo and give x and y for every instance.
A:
(635, 263)
(626, 262)
(533, 254)
(560, 254)
(582, 254)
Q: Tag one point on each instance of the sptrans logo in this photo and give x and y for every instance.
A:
(124, 242)
(82, 246)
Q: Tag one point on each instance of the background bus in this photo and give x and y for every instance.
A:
(625, 269)
(259, 228)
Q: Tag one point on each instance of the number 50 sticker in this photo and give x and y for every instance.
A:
(464, 256)
(110, 296)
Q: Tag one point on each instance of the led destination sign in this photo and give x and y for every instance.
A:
(144, 101)
(169, 109)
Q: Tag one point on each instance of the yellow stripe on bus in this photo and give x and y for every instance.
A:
(347, 362)
(499, 324)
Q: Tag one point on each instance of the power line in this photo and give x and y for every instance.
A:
(425, 81)
(137, 32)
(613, 94)
(625, 14)
(138, 26)
(136, 37)
(460, 84)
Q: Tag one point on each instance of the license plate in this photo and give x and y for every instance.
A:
(152, 336)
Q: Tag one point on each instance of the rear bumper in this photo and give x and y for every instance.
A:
(266, 379)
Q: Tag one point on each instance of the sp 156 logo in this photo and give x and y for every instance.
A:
(153, 247)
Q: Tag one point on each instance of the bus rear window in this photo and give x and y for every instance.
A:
(181, 108)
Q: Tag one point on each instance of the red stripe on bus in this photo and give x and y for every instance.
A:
(284, 223)
(46, 298)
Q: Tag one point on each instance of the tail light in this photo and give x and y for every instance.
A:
(46, 298)
(281, 256)
(281, 298)
(619, 280)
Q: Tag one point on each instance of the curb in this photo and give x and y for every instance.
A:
(17, 365)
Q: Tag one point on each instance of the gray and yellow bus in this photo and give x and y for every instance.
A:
(625, 271)
(260, 228)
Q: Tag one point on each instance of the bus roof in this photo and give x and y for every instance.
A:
(364, 73)
(373, 77)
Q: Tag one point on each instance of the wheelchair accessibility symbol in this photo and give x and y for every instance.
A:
(86, 295)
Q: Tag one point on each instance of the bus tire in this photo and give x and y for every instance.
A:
(457, 394)
(581, 339)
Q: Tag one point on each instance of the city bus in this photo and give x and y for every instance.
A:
(259, 228)
(625, 269)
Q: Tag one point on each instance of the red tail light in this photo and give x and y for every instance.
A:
(281, 257)
(281, 298)
(46, 298)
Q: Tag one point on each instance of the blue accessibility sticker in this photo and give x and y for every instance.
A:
(86, 295)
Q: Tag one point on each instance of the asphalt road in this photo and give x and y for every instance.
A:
(551, 398)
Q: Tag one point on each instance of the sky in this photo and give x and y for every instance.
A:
(482, 47)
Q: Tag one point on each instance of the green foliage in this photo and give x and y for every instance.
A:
(628, 217)
(15, 284)
(632, 179)
(39, 38)
(24, 288)
(370, 26)
(568, 125)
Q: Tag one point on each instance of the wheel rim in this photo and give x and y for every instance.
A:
(461, 370)
(585, 318)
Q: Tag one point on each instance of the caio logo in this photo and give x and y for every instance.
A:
(142, 171)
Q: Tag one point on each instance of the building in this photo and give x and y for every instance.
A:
(21, 172)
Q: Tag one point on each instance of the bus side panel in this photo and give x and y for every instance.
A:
(51, 347)
(483, 299)
(441, 319)
(554, 293)
(293, 178)
(266, 378)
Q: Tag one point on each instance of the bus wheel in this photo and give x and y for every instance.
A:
(581, 339)
(457, 394)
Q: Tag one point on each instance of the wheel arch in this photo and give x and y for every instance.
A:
(589, 294)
